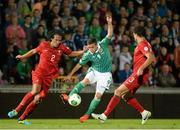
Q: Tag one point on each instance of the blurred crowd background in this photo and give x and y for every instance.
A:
(25, 23)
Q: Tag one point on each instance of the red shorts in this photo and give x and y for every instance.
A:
(134, 81)
(44, 81)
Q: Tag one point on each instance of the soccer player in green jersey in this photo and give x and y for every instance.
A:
(99, 72)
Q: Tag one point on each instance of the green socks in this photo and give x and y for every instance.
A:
(93, 106)
(78, 87)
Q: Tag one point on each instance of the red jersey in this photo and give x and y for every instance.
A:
(139, 54)
(49, 58)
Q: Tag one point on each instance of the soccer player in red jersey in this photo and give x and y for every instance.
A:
(143, 57)
(50, 54)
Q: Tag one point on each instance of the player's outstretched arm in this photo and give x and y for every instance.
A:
(74, 70)
(27, 55)
(76, 53)
(110, 26)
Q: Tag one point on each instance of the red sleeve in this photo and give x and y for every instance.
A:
(39, 48)
(66, 50)
(145, 47)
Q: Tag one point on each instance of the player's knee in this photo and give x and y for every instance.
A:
(127, 96)
(118, 92)
(85, 81)
(98, 96)
(37, 99)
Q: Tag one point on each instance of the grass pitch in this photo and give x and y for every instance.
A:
(91, 124)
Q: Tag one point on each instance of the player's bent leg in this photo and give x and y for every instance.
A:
(27, 98)
(145, 116)
(30, 108)
(78, 87)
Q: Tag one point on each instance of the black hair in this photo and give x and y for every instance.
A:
(54, 32)
(140, 31)
(92, 41)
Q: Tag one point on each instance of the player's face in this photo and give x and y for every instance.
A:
(92, 47)
(56, 40)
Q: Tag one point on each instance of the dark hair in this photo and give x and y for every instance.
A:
(92, 41)
(54, 32)
(140, 31)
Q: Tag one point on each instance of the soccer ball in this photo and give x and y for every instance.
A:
(74, 100)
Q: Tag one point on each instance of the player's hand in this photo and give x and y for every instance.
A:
(140, 71)
(68, 78)
(20, 57)
(109, 18)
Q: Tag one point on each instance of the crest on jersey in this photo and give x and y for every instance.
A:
(59, 51)
(146, 48)
(131, 79)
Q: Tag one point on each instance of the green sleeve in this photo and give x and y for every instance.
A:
(104, 42)
(85, 58)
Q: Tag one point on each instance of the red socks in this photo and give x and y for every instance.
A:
(27, 98)
(28, 110)
(135, 104)
(112, 104)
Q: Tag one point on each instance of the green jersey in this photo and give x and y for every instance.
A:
(101, 60)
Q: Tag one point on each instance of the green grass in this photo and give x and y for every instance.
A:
(91, 124)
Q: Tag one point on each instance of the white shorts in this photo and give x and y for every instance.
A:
(103, 80)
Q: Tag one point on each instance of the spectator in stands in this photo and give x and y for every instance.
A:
(95, 29)
(23, 72)
(66, 15)
(82, 21)
(125, 73)
(166, 39)
(70, 26)
(139, 15)
(165, 77)
(68, 61)
(79, 37)
(36, 17)
(175, 31)
(124, 57)
(15, 33)
(78, 10)
(27, 26)
(162, 8)
(164, 57)
(56, 24)
(11, 8)
(156, 47)
(24, 8)
(103, 9)
(130, 8)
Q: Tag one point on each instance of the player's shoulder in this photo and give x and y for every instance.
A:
(44, 43)
(62, 46)
(145, 43)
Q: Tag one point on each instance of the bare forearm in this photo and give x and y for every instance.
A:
(110, 30)
(29, 53)
(75, 69)
(76, 53)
